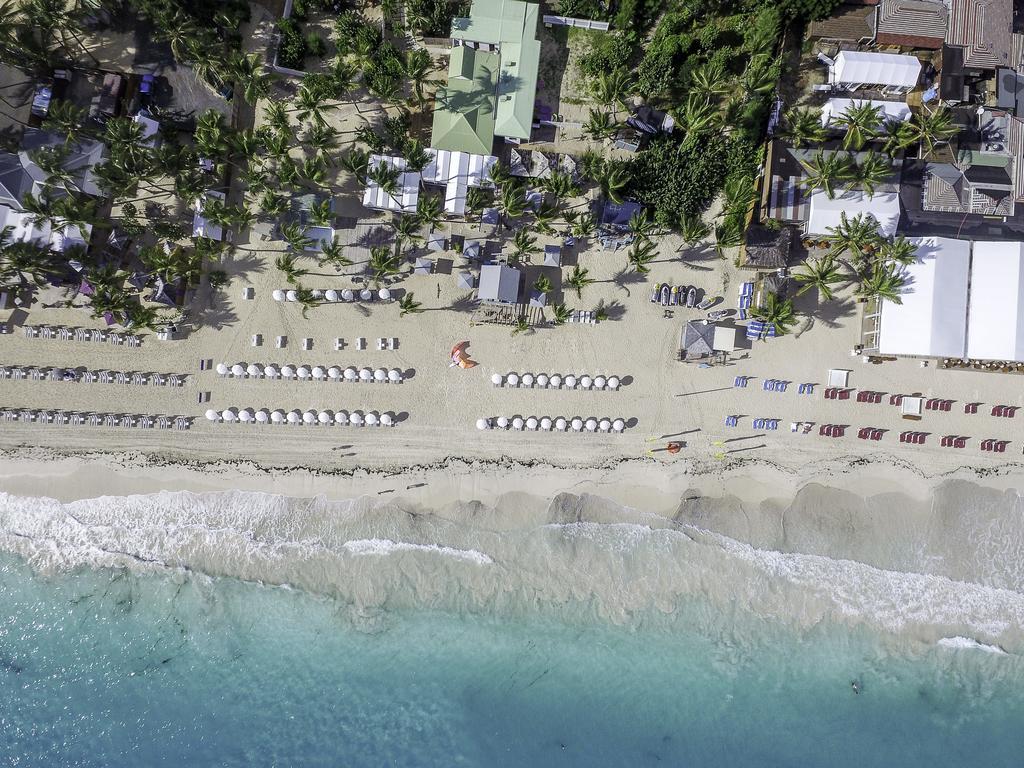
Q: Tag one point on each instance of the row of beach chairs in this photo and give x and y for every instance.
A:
(31, 373)
(274, 372)
(775, 385)
(64, 333)
(583, 316)
(870, 433)
(832, 430)
(558, 424)
(513, 380)
(916, 438)
(75, 418)
(765, 424)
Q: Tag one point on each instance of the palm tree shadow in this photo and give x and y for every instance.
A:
(249, 263)
(613, 310)
(832, 312)
(626, 277)
(216, 317)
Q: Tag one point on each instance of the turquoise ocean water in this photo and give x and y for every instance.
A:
(109, 667)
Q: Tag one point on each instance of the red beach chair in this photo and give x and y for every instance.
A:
(876, 434)
(960, 442)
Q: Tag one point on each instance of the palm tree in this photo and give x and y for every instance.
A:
(407, 229)
(383, 262)
(612, 88)
(521, 325)
(407, 305)
(579, 279)
(692, 229)
(179, 30)
(286, 264)
(320, 212)
(825, 171)
(641, 226)
(600, 125)
(739, 194)
(709, 79)
(898, 251)
(760, 75)
(777, 312)
(321, 139)
(512, 200)
(418, 66)
(884, 281)
(309, 106)
(306, 300)
(313, 170)
(697, 115)
(523, 244)
(640, 254)
(428, 210)
(332, 252)
(499, 175)
(559, 185)
(295, 237)
(250, 76)
(543, 285)
(581, 224)
(932, 127)
(544, 217)
(357, 162)
(822, 274)
(870, 172)
(365, 134)
(562, 313)
(861, 121)
(416, 156)
(614, 179)
(803, 126)
(67, 119)
(728, 234)
(275, 114)
(273, 203)
(385, 177)
(896, 136)
(23, 262)
(858, 235)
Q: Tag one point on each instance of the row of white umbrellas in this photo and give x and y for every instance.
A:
(555, 381)
(560, 424)
(346, 294)
(324, 418)
(255, 370)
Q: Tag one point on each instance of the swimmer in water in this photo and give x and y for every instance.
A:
(856, 687)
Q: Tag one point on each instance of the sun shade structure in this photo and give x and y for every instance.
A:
(407, 187)
(890, 111)
(499, 284)
(492, 77)
(889, 71)
(995, 324)
(200, 226)
(883, 207)
(931, 320)
(457, 172)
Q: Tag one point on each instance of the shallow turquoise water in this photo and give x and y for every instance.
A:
(109, 668)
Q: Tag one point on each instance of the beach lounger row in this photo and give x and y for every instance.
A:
(75, 418)
(332, 295)
(971, 407)
(18, 373)
(1006, 411)
(558, 424)
(555, 381)
(806, 389)
(775, 385)
(837, 393)
(954, 441)
(938, 404)
(583, 316)
(867, 396)
(765, 424)
(296, 417)
(741, 381)
(732, 421)
(999, 446)
(63, 333)
(870, 433)
(333, 373)
(832, 430)
(916, 438)
(896, 400)
(804, 427)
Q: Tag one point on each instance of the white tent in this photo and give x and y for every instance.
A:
(407, 190)
(931, 321)
(200, 226)
(891, 111)
(853, 69)
(825, 213)
(995, 325)
(456, 172)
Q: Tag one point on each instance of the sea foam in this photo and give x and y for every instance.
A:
(384, 547)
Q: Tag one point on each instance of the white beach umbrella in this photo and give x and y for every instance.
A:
(560, 424)
(618, 425)
(366, 294)
(222, 369)
(570, 381)
(262, 415)
(319, 372)
(245, 415)
(531, 423)
(496, 379)
(365, 374)
(545, 423)
(482, 424)
(512, 379)
(556, 380)
(334, 372)
(347, 295)
(325, 417)
(527, 379)
(292, 296)
(341, 417)
(576, 424)
(254, 370)
(351, 374)
(395, 375)
(331, 295)
(317, 293)
(586, 382)
(613, 382)
(517, 422)
(384, 294)
(371, 419)
(270, 370)
(380, 375)
(387, 420)
(503, 422)
(542, 379)
(309, 417)
(302, 372)
(604, 425)
(599, 382)
(228, 416)
(278, 295)
(356, 418)
(277, 416)
(238, 369)
(591, 424)
(294, 417)
(287, 371)
(212, 415)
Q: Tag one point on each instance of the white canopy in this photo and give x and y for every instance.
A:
(995, 326)
(366, 374)
(405, 195)
(883, 207)
(325, 417)
(278, 295)
(496, 378)
(855, 68)
(542, 379)
(228, 415)
(591, 424)
(347, 295)
(356, 418)
(618, 425)
(309, 417)
(238, 369)
(212, 415)
(253, 369)
(277, 416)
(613, 382)
(457, 171)
(303, 372)
(371, 418)
(517, 422)
(384, 294)
(532, 422)
(319, 372)
(931, 320)
(292, 295)
(341, 417)
(503, 422)
(545, 423)
(386, 419)
(380, 375)
(570, 381)
(334, 372)
(482, 424)
(331, 295)
(245, 415)
(262, 416)
(351, 374)
(891, 111)
(270, 370)
(527, 379)
(294, 417)
(556, 380)
(287, 371)
(560, 424)
(222, 368)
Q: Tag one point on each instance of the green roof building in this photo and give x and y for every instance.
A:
(492, 78)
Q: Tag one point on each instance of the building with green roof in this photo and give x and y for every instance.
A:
(492, 77)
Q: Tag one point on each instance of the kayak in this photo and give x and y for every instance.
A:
(666, 290)
(654, 295)
(691, 297)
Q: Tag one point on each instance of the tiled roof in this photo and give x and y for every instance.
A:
(984, 29)
(914, 18)
(944, 189)
(849, 22)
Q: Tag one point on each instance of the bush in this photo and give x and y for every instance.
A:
(433, 18)
(608, 52)
(584, 9)
(315, 45)
(677, 177)
(292, 50)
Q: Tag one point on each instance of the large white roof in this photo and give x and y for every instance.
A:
(995, 325)
(406, 194)
(892, 111)
(931, 321)
(869, 68)
(457, 171)
(824, 213)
